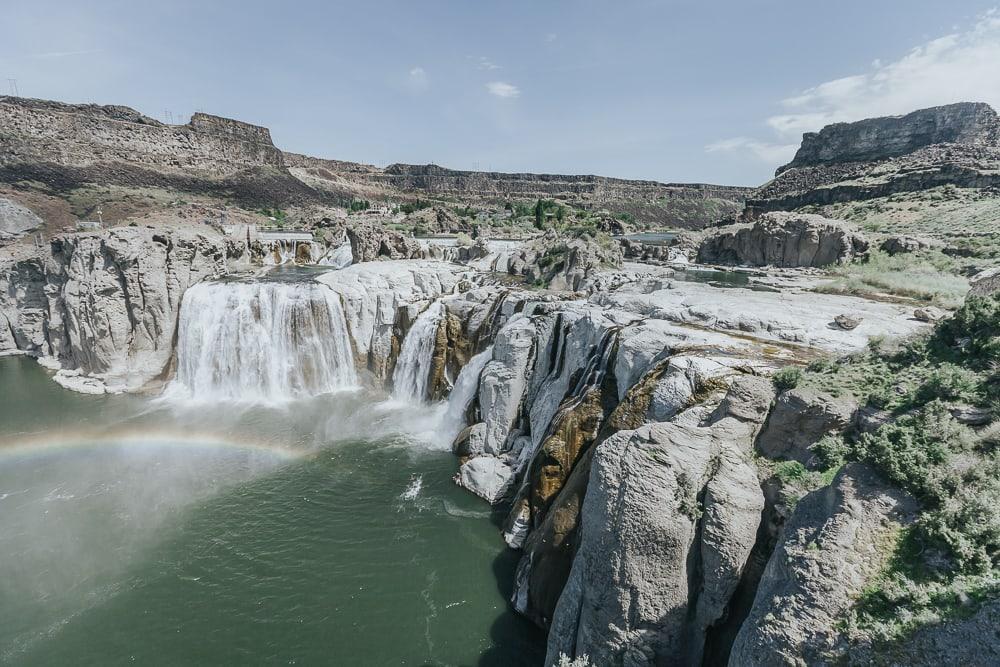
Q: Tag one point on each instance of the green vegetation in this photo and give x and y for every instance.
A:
(413, 207)
(950, 557)
(930, 276)
(797, 480)
(787, 378)
(276, 214)
(357, 205)
(546, 209)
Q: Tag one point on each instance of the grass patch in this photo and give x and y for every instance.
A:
(926, 277)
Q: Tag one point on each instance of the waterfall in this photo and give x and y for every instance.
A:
(413, 367)
(463, 393)
(262, 341)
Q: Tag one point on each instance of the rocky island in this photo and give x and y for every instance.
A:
(766, 440)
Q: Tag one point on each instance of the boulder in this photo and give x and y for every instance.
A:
(929, 314)
(562, 263)
(847, 322)
(486, 476)
(784, 240)
(800, 417)
(985, 282)
(836, 541)
(897, 245)
(16, 220)
(471, 441)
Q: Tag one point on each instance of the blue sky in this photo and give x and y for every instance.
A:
(665, 90)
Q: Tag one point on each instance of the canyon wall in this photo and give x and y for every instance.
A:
(957, 144)
(974, 124)
(81, 135)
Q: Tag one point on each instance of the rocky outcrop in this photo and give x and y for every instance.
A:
(956, 145)
(828, 553)
(985, 283)
(435, 220)
(370, 241)
(975, 124)
(904, 244)
(105, 304)
(669, 519)
(561, 263)
(80, 135)
(16, 220)
(799, 419)
(784, 240)
(375, 294)
(690, 206)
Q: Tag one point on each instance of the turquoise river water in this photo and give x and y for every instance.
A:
(326, 531)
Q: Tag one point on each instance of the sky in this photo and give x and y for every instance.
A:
(667, 90)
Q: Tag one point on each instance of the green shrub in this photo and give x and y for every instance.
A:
(972, 334)
(914, 449)
(787, 378)
(832, 451)
(949, 382)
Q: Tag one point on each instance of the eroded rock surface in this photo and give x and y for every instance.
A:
(669, 519)
(784, 240)
(829, 551)
(105, 304)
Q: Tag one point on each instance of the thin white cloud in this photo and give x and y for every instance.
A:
(958, 67)
(767, 152)
(487, 64)
(64, 54)
(418, 79)
(503, 89)
(551, 37)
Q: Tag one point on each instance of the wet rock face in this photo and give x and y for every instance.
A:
(826, 557)
(975, 124)
(784, 240)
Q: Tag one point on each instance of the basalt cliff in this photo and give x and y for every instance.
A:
(957, 145)
(60, 147)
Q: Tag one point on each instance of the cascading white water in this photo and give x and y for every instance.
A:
(262, 341)
(462, 394)
(413, 367)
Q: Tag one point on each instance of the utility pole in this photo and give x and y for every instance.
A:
(12, 83)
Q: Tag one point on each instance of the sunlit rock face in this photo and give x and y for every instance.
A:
(106, 303)
(785, 240)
